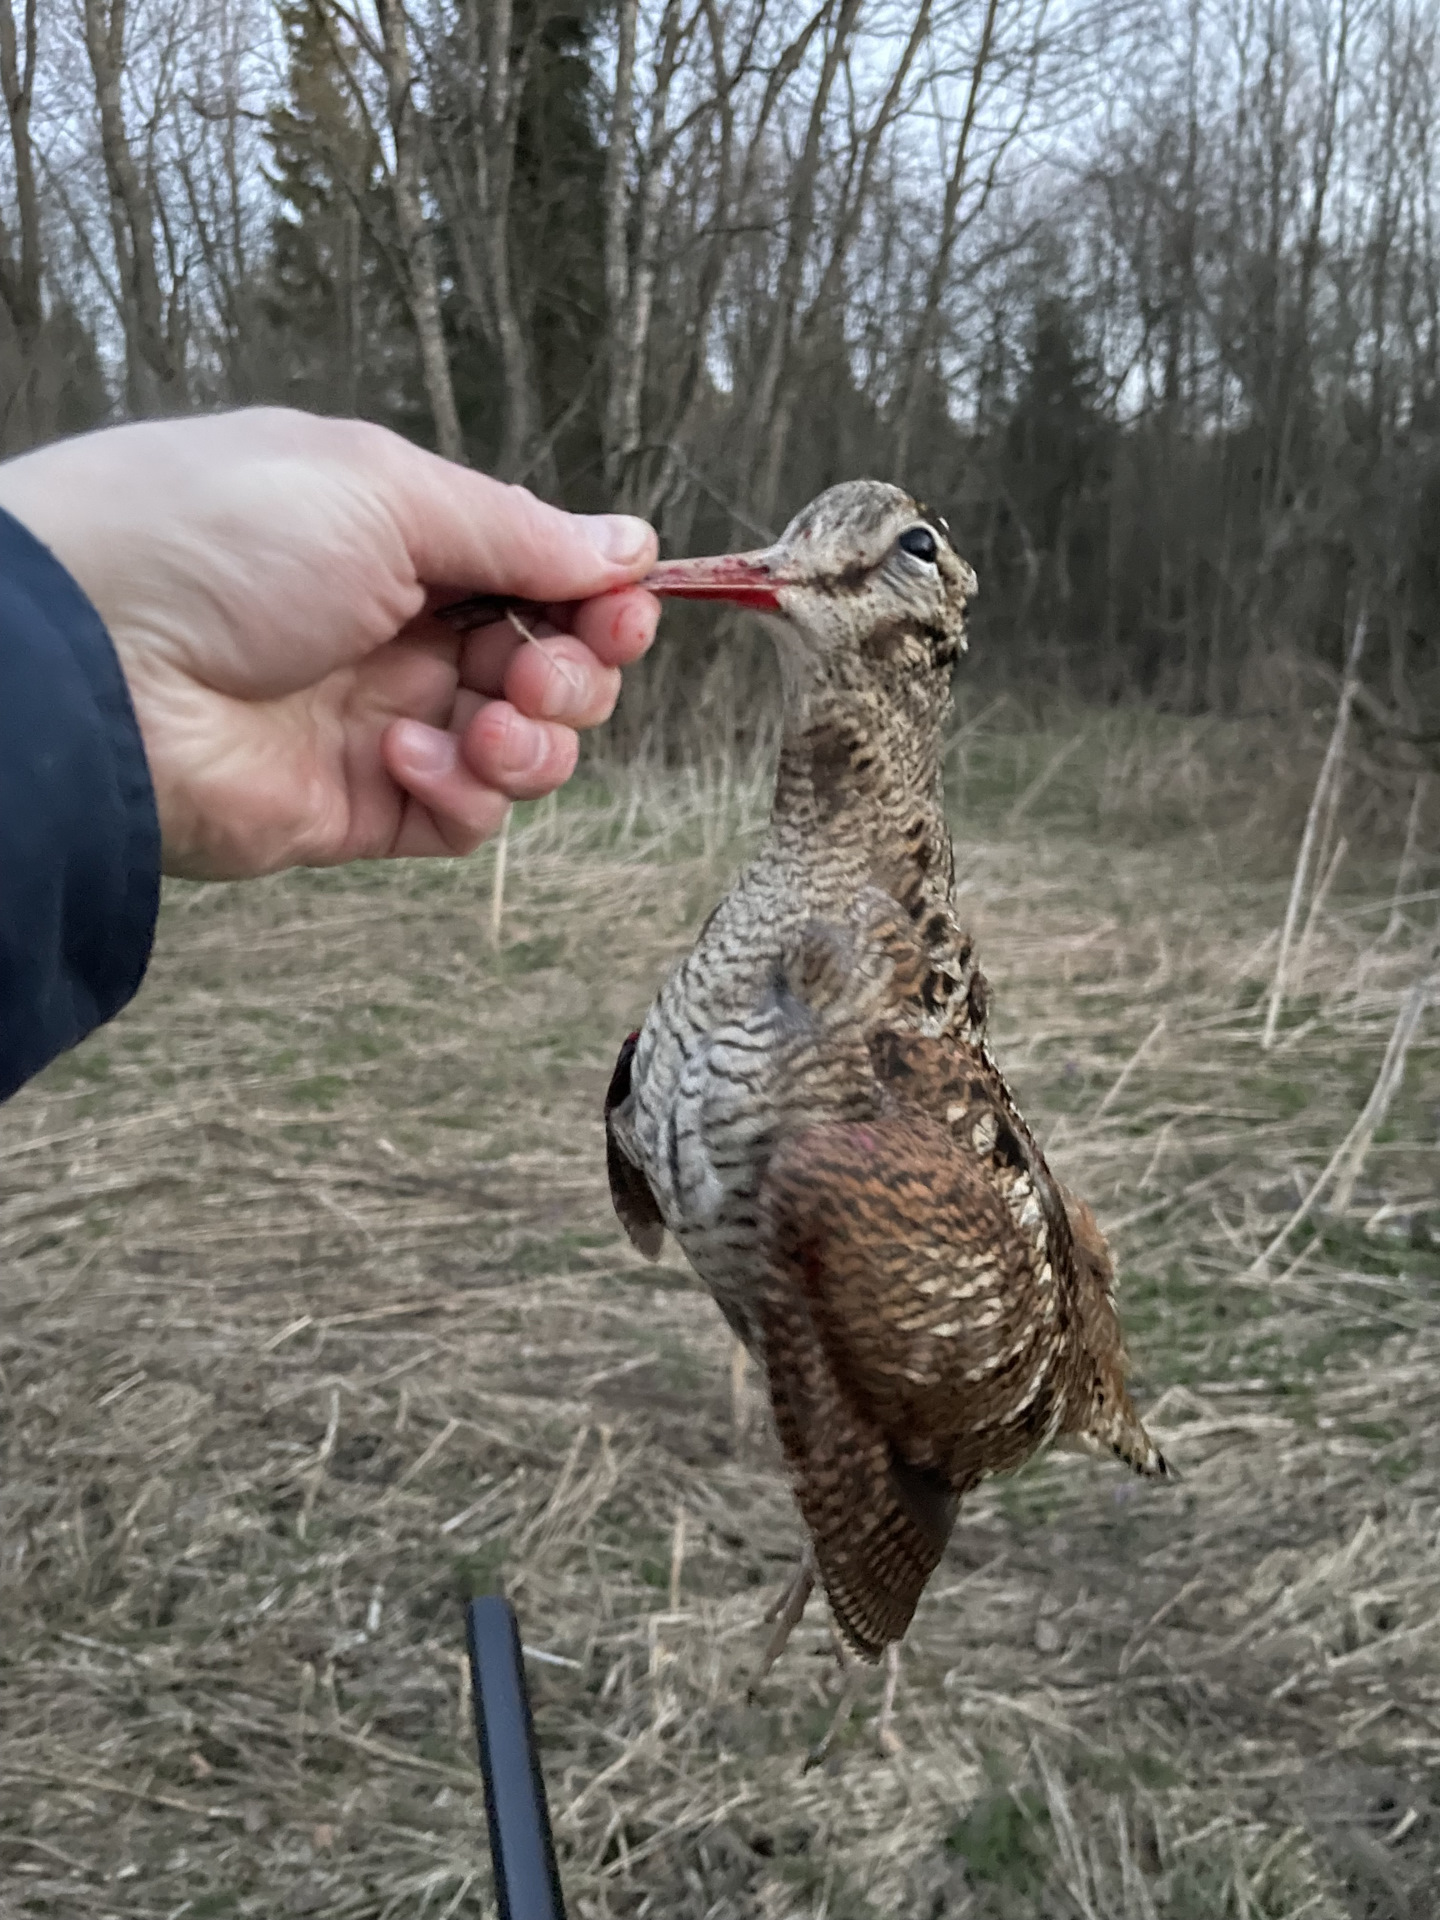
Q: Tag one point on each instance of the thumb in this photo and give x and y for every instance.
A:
(463, 529)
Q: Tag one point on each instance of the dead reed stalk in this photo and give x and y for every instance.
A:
(497, 883)
(1323, 803)
(1343, 1168)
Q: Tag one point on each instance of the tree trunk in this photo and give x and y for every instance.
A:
(828, 297)
(154, 373)
(421, 275)
(623, 347)
(923, 340)
(800, 227)
(20, 255)
(494, 161)
(20, 271)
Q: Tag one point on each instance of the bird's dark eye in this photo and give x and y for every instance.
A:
(920, 542)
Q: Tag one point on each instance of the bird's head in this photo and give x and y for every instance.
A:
(863, 584)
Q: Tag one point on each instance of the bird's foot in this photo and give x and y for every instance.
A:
(791, 1601)
(886, 1738)
(739, 1404)
(844, 1707)
(785, 1614)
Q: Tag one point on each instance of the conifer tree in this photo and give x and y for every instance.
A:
(343, 340)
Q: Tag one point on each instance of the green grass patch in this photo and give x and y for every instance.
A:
(1004, 1841)
(477, 1571)
(323, 1090)
(1119, 1772)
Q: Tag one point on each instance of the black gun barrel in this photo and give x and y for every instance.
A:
(527, 1880)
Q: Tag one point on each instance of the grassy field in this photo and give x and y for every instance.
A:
(317, 1320)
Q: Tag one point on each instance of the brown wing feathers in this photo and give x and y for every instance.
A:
(928, 1319)
(934, 1307)
(878, 1528)
(918, 1279)
(888, 1332)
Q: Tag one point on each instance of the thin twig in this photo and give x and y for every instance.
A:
(1130, 1065)
(1345, 1163)
(677, 1557)
(1402, 878)
(317, 1472)
(1042, 780)
(502, 842)
(1317, 907)
(1329, 773)
(497, 888)
(1387, 1085)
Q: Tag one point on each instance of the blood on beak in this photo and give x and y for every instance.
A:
(746, 579)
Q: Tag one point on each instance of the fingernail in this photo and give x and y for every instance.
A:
(526, 745)
(618, 536)
(425, 749)
(571, 691)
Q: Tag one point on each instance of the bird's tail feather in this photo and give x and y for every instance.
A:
(879, 1526)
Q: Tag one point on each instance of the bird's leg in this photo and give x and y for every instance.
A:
(886, 1738)
(802, 1585)
(738, 1361)
(853, 1678)
(786, 1614)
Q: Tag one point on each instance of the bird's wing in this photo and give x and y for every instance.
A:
(956, 1081)
(878, 1525)
(634, 1203)
(912, 1346)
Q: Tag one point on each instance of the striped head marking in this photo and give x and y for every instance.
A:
(865, 577)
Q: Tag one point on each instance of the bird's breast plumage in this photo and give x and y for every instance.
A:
(710, 1085)
(759, 1032)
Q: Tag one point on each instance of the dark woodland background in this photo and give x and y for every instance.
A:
(1145, 298)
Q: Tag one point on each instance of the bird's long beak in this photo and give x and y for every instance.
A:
(747, 579)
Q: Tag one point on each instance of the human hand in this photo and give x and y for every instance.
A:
(269, 580)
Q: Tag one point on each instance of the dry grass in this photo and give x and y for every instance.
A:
(317, 1319)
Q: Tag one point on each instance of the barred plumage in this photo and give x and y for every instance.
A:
(812, 1109)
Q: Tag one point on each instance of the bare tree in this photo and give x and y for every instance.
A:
(840, 25)
(386, 45)
(20, 250)
(417, 246)
(852, 204)
(696, 221)
(153, 318)
(1180, 393)
(922, 342)
(474, 160)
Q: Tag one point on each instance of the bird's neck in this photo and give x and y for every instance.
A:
(859, 791)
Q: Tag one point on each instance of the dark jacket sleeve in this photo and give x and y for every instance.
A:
(79, 838)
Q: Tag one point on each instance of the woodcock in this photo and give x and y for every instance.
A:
(812, 1109)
